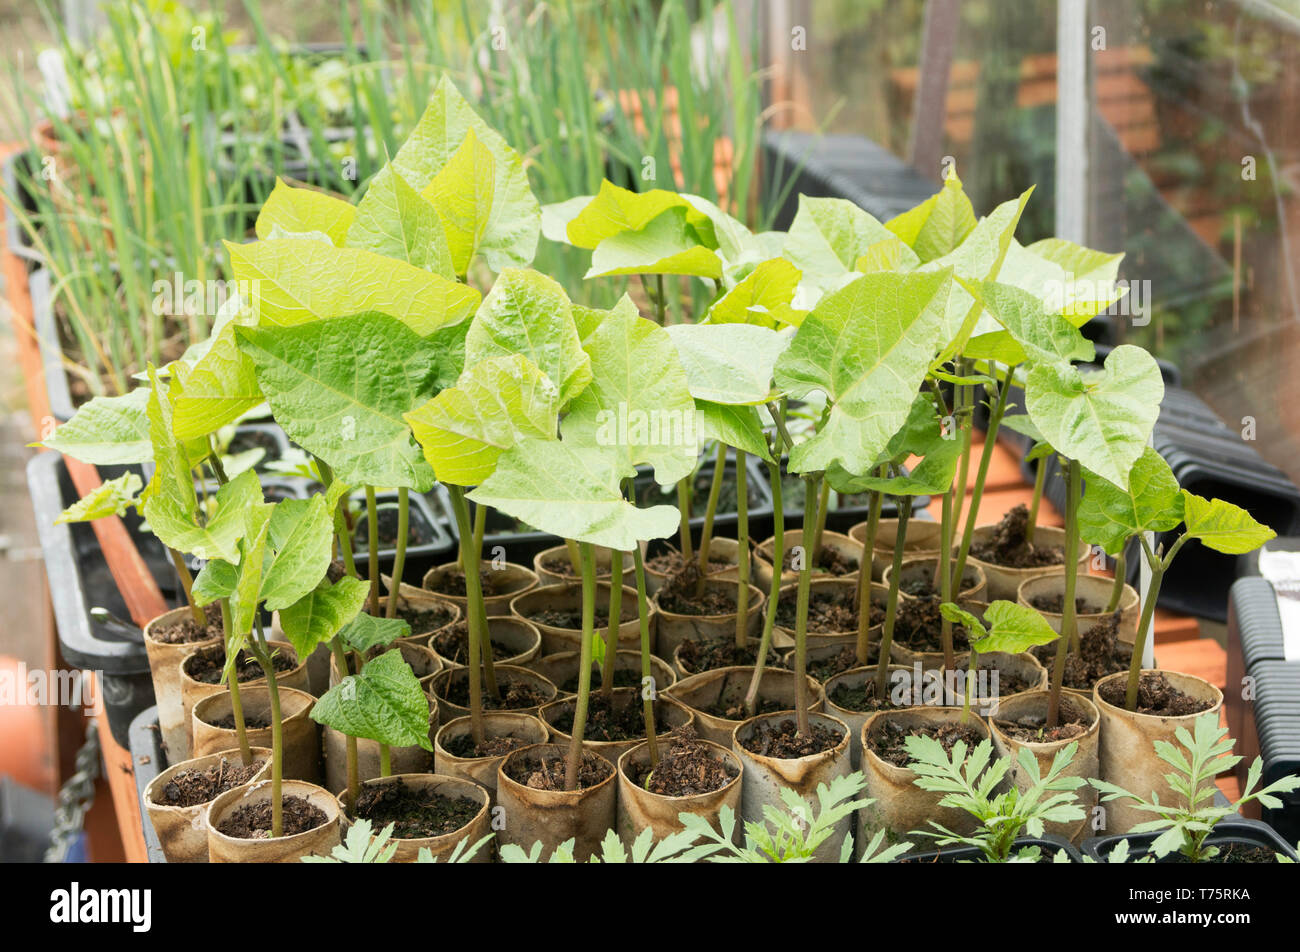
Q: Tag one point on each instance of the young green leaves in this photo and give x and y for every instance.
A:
(383, 703)
(1109, 516)
(1007, 627)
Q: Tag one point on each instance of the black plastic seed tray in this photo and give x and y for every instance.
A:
(1277, 726)
(1254, 636)
(149, 760)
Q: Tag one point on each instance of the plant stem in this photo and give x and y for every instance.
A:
(970, 680)
(742, 550)
(214, 461)
(647, 673)
(187, 583)
(354, 779)
(1117, 590)
(259, 649)
(474, 606)
(236, 704)
(891, 606)
(962, 401)
(372, 539)
(340, 519)
(774, 590)
(575, 559)
(945, 580)
(584, 665)
(684, 509)
(1040, 478)
(864, 577)
(986, 457)
(399, 558)
(611, 628)
(812, 485)
(1074, 484)
(480, 527)
(823, 510)
(710, 512)
(1159, 567)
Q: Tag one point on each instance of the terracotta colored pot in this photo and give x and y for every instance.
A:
(441, 847)
(1004, 582)
(669, 715)
(448, 711)
(520, 638)
(561, 667)
(856, 677)
(676, 628)
(720, 550)
(568, 598)
(182, 831)
(763, 552)
(165, 668)
(284, 849)
(1096, 590)
(730, 685)
(900, 806)
(974, 587)
(508, 580)
(193, 691)
(923, 542)
(639, 809)
(766, 777)
(300, 734)
(560, 553)
(483, 770)
(401, 760)
(553, 816)
(1086, 762)
(1128, 757)
(783, 637)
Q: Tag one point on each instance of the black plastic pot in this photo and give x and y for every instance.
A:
(80, 581)
(648, 492)
(969, 854)
(47, 338)
(1227, 832)
(149, 760)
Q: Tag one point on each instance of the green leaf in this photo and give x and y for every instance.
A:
(667, 245)
(303, 210)
(827, 237)
(1013, 628)
(320, 614)
(111, 498)
(615, 210)
(557, 215)
(217, 579)
(365, 632)
(393, 220)
(300, 539)
(339, 389)
(1074, 281)
(245, 597)
(1038, 333)
(383, 703)
(959, 616)
(1102, 418)
(496, 403)
(870, 369)
(763, 297)
(890, 255)
(510, 237)
(939, 224)
(220, 386)
(729, 363)
(922, 435)
(1222, 526)
(738, 427)
(299, 281)
(107, 431)
(528, 313)
(572, 492)
(463, 192)
(1109, 516)
(638, 401)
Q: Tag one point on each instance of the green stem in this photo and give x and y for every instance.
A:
(812, 486)
(864, 578)
(742, 551)
(611, 628)
(1159, 566)
(1074, 487)
(480, 527)
(710, 513)
(214, 461)
(584, 665)
(340, 519)
(647, 672)
(263, 656)
(1117, 590)
(477, 621)
(372, 540)
(823, 510)
(945, 580)
(684, 508)
(962, 399)
(187, 583)
(236, 703)
(969, 686)
(986, 457)
(1040, 478)
(575, 558)
(774, 590)
(354, 779)
(399, 558)
(891, 606)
